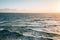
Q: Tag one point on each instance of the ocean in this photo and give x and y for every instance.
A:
(29, 26)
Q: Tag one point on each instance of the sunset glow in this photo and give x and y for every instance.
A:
(58, 8)
(30, 6)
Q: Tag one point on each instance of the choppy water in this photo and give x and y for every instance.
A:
(29, 26)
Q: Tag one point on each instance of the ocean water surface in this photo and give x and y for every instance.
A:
(29, 26)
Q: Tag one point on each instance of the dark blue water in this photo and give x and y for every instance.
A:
(31, 26)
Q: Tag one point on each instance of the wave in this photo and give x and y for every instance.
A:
(7, 35)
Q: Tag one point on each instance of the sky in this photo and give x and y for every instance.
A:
(30, 6)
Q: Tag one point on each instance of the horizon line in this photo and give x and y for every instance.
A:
(27, 12)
